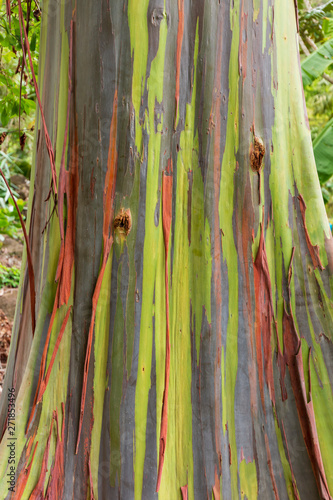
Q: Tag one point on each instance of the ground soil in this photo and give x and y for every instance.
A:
(10, 256)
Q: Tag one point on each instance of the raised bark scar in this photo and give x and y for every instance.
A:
(257, 154)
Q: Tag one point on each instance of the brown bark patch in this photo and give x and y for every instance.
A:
(123, 222)
(257, 152)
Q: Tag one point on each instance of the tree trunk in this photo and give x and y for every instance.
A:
(184, 281)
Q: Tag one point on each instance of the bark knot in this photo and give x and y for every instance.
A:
(257, 153)
(122, 223)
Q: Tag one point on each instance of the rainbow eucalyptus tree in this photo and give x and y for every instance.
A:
(182, 262)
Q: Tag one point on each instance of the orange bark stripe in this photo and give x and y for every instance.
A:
(24, 475)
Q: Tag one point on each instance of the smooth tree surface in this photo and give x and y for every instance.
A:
(182, 262)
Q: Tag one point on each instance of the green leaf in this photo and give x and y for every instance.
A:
(33, 42)
(4, 116)
(316, 63)
(323, 152)
(3, 80)
(328, 25)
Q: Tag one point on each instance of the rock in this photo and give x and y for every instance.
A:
(8, 297)
(11, 252)
(21, 185)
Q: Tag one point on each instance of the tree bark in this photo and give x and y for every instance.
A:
(184, 280)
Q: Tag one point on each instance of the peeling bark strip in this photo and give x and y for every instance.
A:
(294, 360)
(29, 258)
(263, 322)
(166, 221)
(56, 481)
(313, 249)
(184, 492)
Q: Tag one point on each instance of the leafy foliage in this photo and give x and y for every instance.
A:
(9, 276)
(17, 95)
(316, 40)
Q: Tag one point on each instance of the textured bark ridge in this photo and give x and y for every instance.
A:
(183, 271)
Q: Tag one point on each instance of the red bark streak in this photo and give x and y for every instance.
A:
(38, 492)
(313, 249)
(108, 199)
(184, 490)
(293, 480)
(92, 496)
(29, 258)
(216, 487)
(26, 46)
(180, 34)
(270, 467)
(24, 475)
(54, 353)
(264, 317)
(294, 360)
(56, 481)
(166, 223)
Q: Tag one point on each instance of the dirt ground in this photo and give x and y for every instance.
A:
(10, 255)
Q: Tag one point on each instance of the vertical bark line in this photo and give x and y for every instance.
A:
(63, 176)
(108, 200)
(166, 222)
(217, 249)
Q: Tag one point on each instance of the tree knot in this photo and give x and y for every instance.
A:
(257, 153)
(122, 223)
